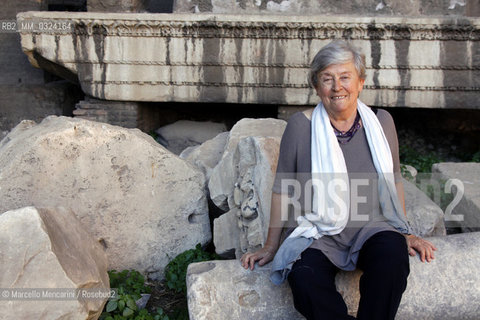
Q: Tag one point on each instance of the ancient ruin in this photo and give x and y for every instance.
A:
(133, 203)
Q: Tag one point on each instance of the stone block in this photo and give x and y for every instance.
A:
(241, 183)
(443, 289)
(465, 185)
(45, 253)
(127, 190)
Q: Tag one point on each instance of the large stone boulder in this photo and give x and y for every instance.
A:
(241, 183)
(144, 204)
(463, 181)
(446, 288)
(424, 215)
(47, 255)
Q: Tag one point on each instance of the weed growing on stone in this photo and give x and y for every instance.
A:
(172, 293)
(176, 270)
(476, 157)
(130, 285)
(421, 161)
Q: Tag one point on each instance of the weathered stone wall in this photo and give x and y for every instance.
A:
(130, 6)
(24, 93)
(16, 70)
(116, 6)
(357, 7)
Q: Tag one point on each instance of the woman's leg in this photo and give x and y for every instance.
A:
(312, 281)
(384, 261)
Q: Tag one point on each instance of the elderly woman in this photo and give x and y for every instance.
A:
(344, 156)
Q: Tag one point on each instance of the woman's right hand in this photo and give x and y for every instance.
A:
(263, 256)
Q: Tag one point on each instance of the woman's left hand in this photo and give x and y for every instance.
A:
(423, 247)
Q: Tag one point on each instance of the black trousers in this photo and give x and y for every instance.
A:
(385, 265)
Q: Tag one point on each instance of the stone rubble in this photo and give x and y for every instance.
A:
(46, 252)
(121, 184)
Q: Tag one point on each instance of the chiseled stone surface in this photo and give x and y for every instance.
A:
(123, 186)
(424, 215)
(465, 177)
(49, 248)
(242, 183)
(262, 59)
(444, 289)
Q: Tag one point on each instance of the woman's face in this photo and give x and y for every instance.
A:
(339, 86)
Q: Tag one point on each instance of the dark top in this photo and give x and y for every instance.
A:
(365, 217)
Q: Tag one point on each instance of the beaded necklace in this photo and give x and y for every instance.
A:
(344, 137)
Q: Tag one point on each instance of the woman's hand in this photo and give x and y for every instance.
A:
(423, 247)
(263, 256)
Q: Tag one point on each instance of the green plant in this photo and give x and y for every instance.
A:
(176, 270)
(153, 134)
(476, 157)
(406, 173)
(130, 284)
(129, 281)
(421, 161)
(114, 311)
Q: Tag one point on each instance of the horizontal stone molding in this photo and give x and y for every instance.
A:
(270, 85)
(254, 58)
(265, 65)
(258, 27)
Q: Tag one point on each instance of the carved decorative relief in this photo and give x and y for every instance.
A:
(461, 30)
